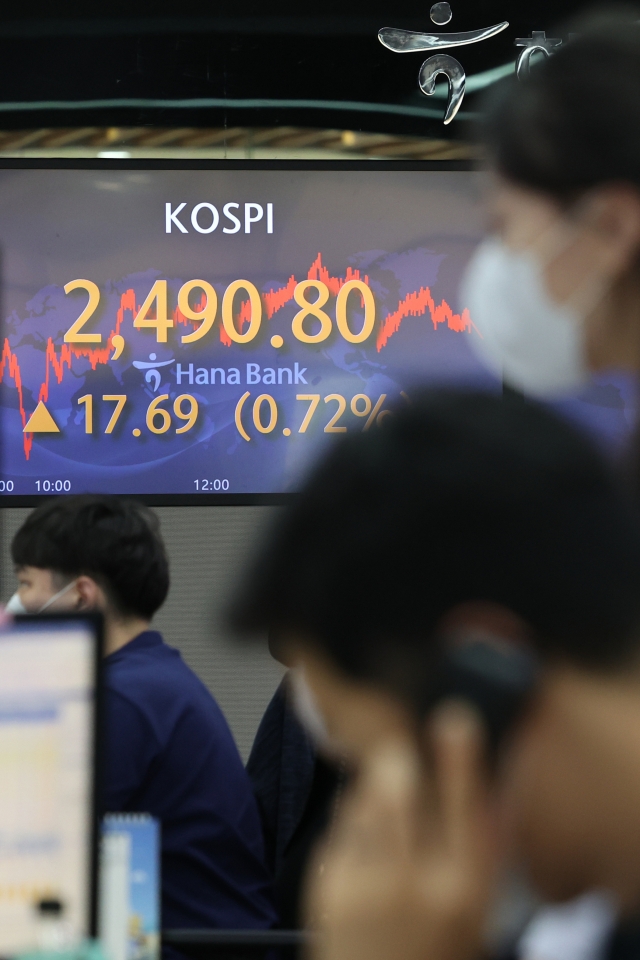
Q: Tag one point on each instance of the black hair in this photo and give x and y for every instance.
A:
(574, 123)
(464, 497)
(117, 542)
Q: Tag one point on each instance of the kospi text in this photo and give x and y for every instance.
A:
(205, 217)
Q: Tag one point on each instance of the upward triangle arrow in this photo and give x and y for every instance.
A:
(41, 421)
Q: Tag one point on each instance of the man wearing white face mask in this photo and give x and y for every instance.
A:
(526, 336)
(33, 585)
(167, 749)
(555, 293)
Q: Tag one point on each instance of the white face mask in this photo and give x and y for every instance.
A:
(534, 343)
(307, 710)
(15, 605)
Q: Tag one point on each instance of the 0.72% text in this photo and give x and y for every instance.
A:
(264, 412)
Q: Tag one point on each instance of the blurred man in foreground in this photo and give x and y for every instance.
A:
(468, 526)
(167, 748)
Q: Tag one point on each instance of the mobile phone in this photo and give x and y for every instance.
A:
(495, 676)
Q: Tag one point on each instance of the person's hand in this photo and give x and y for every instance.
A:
(407, 872)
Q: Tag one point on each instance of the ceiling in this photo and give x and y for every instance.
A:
(141, 63)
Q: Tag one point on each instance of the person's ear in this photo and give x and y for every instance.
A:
(281, 648)
(90, 594)
(613, 215)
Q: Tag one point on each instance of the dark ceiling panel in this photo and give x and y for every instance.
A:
(234, 51)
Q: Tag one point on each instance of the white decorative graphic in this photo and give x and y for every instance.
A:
(152, 374)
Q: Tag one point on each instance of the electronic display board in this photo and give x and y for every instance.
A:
(203, 331)
(191, 331)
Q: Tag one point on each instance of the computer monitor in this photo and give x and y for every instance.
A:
(48, 692)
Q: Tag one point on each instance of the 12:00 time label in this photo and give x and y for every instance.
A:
(211, 486)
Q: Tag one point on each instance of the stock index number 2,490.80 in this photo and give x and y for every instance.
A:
(155, 314)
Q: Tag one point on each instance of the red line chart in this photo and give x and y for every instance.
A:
(413, 304)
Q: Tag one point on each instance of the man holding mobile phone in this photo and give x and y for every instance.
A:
(472, 544)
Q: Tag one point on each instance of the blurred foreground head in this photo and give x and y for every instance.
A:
(555, 289)
(470, 512)
(461, 498)
(540, 128)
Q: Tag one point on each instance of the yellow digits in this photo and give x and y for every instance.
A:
(311, 310)
(206, 316)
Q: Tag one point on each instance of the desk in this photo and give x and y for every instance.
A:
(237, 944)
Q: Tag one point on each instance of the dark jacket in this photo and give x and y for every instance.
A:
(295, 789)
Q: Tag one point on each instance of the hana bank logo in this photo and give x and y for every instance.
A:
(153, 375)
(410, 41)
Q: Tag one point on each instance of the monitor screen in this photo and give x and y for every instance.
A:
(205, 330)
(47, 705)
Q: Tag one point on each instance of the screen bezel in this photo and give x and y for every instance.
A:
(360, 166)
(95, 623)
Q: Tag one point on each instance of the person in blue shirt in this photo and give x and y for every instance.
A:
(167, 748)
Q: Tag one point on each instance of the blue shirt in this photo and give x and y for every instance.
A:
(169, 752)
